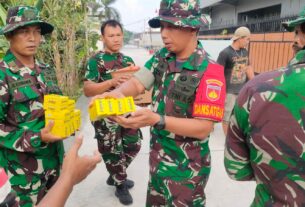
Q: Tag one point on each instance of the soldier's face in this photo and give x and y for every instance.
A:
(25, 40)
(112, 39)
(175, 38)
(299, 37)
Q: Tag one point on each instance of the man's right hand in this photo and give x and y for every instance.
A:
(47, 136)
(111, 94)
(76, 168)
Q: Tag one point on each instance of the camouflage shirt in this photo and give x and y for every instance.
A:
(101, 65)
(266, 137)
(21, 106)
(175, 88)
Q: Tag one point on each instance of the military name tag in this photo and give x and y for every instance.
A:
(20, 83)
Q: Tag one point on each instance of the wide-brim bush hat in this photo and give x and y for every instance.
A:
(21, 16)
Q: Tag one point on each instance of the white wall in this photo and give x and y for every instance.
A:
(214, 47)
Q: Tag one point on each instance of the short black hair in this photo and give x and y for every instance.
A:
(302, 27)
(112, 23)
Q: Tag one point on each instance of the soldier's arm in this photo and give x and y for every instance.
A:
(12, 137)
(237, 154)
(91, 85)
(74, 170)
(250, 72)
(193, 127)
(92, 89)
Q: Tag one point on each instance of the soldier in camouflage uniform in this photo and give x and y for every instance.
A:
(266, 136)
(118, 145)
(188, 97)
(29, 153)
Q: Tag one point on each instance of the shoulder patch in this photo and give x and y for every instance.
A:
(210, 96)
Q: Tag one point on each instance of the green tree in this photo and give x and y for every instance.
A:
(110, 12)
(3, 42)
(103, 10)
(66, 48)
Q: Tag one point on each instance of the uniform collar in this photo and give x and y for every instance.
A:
(112, 54)
(299, 58)
(194, 62)
(15, 65)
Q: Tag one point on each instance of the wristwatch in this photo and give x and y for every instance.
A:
(160, 125)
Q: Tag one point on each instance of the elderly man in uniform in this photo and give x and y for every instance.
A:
(29, 153)
(188, 98)
(266, 135)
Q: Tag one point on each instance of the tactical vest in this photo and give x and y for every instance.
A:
(182, 93)
(27, 88)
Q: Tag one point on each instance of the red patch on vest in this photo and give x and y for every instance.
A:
(211, 94)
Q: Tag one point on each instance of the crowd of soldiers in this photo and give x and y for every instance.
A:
(263, 117)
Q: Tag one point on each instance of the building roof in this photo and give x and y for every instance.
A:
(211, 3)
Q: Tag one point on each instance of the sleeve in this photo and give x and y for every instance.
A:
(92, 73)
(210, 95)
(145, 75)
(221, 60)
(12, 137)
(237, 153)
(129, 60)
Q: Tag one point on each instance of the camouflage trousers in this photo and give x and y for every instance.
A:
(118, 146)
(31, 176)
(178, 173)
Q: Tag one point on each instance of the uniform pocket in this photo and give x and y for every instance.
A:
(27, 103)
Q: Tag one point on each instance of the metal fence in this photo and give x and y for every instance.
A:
(269, 55)
(255, 27)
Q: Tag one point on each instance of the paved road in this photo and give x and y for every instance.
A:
(94, 192)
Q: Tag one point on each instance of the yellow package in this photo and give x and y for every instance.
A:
(61, 128)
(99, 109)
(120, 107)
(102, 108)
(55, 102)
(58, 115)
(71, 105)
(129, 104)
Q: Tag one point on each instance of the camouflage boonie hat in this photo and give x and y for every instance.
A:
(290, 26)
(183, 13)
(20, 16)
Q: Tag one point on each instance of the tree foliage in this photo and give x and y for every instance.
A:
(67, 48)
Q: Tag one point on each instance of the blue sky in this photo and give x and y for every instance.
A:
(135, 12)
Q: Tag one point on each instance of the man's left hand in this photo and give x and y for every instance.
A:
(141, 118)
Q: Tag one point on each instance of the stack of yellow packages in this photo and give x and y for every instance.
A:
(102, 108)
(61, 110)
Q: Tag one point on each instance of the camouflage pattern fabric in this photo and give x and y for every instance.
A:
(266, 137)
(182, 13)
(118, 145)
(20, 16)
(179, 166)
(32, 165)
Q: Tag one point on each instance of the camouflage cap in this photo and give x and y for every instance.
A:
(183, 13)
(290, 26)
(20, 16)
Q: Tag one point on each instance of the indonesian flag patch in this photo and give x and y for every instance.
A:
(210, 96)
